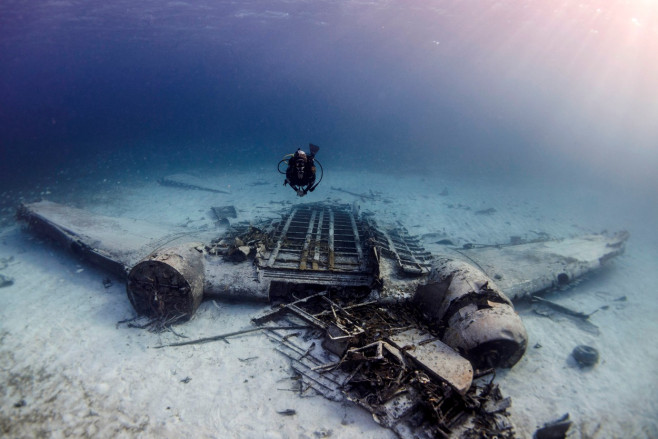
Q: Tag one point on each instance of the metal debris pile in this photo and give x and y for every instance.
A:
(375, 369)
(223, 213)
(241, 241)
(5, 281)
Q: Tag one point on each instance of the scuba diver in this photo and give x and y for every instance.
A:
(301, 170)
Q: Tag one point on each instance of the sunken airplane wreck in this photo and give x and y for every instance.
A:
(406, 334)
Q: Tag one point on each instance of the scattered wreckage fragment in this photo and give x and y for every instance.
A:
(556, 429)
(223, 213)
(5, 281)
(437, 358)
(187, 181)
(384, 360)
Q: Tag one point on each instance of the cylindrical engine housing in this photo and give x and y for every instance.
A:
(479, 320)
(168, 284)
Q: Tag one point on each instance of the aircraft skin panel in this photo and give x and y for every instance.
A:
(526, 269)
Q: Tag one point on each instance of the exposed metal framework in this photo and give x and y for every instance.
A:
(407, 251)
(330, 244)
(319, 243)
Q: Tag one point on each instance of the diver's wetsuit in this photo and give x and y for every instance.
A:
(305, 184)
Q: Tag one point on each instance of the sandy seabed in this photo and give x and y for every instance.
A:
(68, 369)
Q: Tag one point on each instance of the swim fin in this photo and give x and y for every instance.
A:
(313, 148)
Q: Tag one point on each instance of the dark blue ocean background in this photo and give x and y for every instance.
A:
(516, 91)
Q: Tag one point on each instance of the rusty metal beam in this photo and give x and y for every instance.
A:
(307, 241)
(284, 232)
(357, 242)
(318, 240)
(332, 259)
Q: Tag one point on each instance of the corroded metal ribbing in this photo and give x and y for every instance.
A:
(406, 249)
(306, 316)
(318, 238)
(391, 247)
(275, 252)
(331, 239)
(307, 241)
(357, 241)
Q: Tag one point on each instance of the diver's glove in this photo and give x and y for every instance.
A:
(300, 193)
(285, 182)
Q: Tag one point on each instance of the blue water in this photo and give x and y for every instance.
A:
(435, 86)
(536, 92)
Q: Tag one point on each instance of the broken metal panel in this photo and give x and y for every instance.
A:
(338, 337)
(435, 357)
(551, 310)
(405, 249)
(224, 212)
(116, 244)
(530, 268)
(328, 383)
(317, 277)
(187, 181)
(296, 310)
(279, 243)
